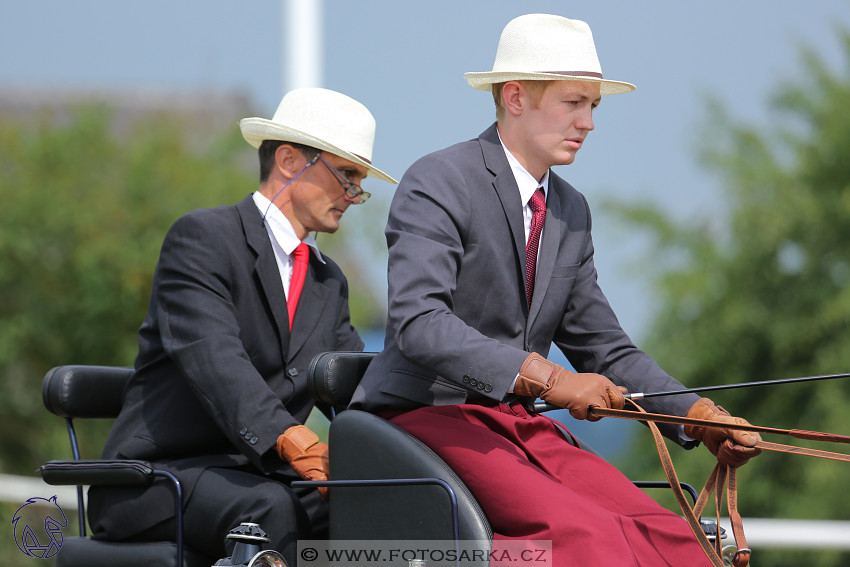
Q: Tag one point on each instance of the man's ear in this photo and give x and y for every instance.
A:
(286, 160)
(514, 97)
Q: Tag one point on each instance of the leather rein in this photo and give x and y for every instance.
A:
(721, 475)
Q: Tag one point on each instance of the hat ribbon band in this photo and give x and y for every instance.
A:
(575, 73)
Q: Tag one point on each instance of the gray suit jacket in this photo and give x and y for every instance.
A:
(459, 326)
(219, 376)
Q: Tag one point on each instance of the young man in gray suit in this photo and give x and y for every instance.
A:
(242, 301)
(490, 261)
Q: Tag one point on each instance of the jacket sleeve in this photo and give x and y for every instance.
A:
(194, 290)
(426, 231)
(593, 341)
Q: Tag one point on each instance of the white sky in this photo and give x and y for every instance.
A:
(405, 61)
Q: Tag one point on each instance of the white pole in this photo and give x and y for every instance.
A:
(303, 45)
(792, 534)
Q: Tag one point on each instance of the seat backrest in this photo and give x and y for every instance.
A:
(86, 391)
(367, 447)
(81, 391)
(333, 376)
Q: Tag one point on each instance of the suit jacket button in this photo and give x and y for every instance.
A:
(488, 388)
(293, 372)
(481, 385)
(243, 431)
(466, 378)
(253, 440)
(248, 435)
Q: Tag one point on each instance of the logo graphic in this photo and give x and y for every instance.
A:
(54, 520)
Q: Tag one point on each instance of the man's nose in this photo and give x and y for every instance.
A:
(354, 201)
(586, 121)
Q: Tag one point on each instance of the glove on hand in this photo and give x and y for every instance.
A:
(731, 446)
(540, 378)
(307, 456)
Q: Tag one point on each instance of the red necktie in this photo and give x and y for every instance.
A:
(538, 206)
(300, 259)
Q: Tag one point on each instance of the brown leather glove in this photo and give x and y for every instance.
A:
(540, 378)
(307, 456)
(732, 447)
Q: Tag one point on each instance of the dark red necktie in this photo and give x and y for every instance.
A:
(300, 257)
(538, 206)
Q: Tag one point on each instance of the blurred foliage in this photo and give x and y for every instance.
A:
(757, 291)
(87, 201)
(762, 291)
(88, 195)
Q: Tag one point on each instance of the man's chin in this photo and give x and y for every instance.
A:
(567, 158)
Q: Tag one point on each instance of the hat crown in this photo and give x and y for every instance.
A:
(323, 119)
(545, 43)
(543, 47)
(329, 116)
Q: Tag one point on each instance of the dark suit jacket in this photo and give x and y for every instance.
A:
(219, 376)
(459, 326)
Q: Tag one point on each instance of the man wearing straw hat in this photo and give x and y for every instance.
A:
(242, 300)
(490, 261)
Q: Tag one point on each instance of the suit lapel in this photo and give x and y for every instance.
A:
(507, 191)
(265, 266)
(310, 308)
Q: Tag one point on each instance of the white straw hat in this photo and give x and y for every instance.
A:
(323, 119)
(548, 48)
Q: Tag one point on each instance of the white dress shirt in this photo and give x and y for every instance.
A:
(283, 238)
(527, 186)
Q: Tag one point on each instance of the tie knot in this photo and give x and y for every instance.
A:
(538, 201)
(301, 253)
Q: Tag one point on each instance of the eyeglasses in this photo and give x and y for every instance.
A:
(352, 190)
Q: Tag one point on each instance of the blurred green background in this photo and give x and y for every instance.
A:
(758, 290)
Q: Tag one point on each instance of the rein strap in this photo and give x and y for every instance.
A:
(662, 418)
(721, 475)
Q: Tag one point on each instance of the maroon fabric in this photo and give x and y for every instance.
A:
(532, 485)
(538, 218)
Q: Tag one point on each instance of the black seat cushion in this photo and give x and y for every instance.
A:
(334, 376)
(78, 391)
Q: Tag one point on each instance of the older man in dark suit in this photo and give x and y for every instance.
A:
(490, 261)
(242, 300)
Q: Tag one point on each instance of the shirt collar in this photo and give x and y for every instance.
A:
(525, 181)
(281, 229)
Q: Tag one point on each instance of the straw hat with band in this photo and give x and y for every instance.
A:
(542, 47)
(323, 119)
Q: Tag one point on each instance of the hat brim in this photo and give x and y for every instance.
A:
(255, 130)
(484, 80)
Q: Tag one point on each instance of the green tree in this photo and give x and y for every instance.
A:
(762, 290)
(86, 205)
(88, 194)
